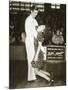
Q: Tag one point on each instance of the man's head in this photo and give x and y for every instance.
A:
(34, 11)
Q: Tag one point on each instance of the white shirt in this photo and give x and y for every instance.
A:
(30, 27)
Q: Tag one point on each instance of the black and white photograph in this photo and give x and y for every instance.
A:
(37, 44)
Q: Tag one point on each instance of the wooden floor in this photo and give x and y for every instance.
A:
(18, 77)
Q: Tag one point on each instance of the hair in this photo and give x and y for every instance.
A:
(34, 7)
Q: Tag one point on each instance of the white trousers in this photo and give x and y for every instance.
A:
(29, 43)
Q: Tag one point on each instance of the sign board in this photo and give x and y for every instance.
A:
(55, 52)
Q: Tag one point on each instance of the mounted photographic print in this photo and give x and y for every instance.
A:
(37, 44)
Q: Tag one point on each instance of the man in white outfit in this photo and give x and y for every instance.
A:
(31, 34)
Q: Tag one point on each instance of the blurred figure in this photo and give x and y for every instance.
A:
(23, 37)
(61, 38)
(11, 33)
(57, 38)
